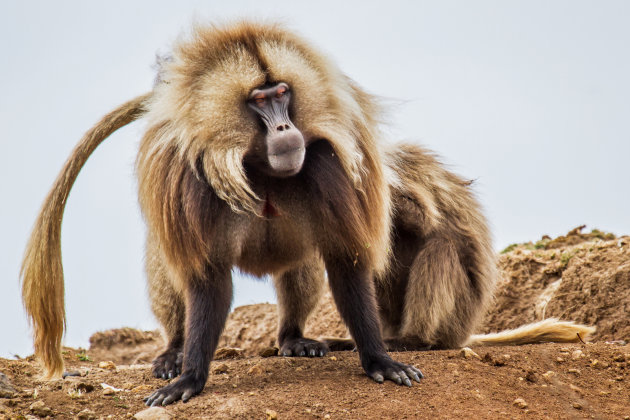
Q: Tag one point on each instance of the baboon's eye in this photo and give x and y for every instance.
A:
(259, 99)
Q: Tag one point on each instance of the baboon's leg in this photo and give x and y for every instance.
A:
(441, 307)
(168, 306)
(353, 290)
(207, 300)
(299, 290)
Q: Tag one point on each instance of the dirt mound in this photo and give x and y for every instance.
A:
(254, 327)
(126, 346)
(579, 277)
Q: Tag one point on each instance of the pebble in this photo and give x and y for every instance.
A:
(577, 354)
(220, 368)
(559, 360)
(576, 389)
(39, 409)
(268, 352)
(228, 353)
(86, 415)
(153, 413)
(577, 405)
(468, 353)
(520, 403)
(576, 372)
(6, 388)
(257, 369)
(549, 374)
(84, 387)
(271, 415)
(333, 358)
(531, 376)
(107, 365)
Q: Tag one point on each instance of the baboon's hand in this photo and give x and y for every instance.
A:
(301, 347)
(182, 389)
(383, 367)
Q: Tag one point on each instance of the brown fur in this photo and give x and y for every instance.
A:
(206, 209)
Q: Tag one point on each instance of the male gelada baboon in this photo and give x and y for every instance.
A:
(259, 153)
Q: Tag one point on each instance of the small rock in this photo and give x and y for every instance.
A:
(71, 373)
(531, 376)
(577, 354)
(257, 369)
(107, 365)
(84, 387)
(6, 388)
(520, 403)
(271, 415)
(576, 372)
(327, 416)
(39, 409)
(576, 389)
(619, 378)
(549, 374)
(333, 358)
(142, 388)
(220, 368)
(599, 365)
(153, 413)
(577, 405)
(268, 352)
(228, 353)
(86, 415)
(559, 360)
(496, 361)
(619, 358)
(108, 391)
(469, 354)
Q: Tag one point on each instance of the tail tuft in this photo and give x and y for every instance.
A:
(550, 330)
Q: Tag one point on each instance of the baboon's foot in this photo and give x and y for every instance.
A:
(383, 367)
(300, 347)
(183, 388)
(168, 364)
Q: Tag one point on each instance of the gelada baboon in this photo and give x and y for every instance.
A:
(259, 153)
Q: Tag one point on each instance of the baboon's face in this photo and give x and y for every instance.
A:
(279, 151)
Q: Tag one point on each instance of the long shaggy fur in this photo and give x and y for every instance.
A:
(362, 211)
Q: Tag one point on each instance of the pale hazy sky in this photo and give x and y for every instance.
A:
(530, 98)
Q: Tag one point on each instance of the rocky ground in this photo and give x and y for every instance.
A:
(581, 276)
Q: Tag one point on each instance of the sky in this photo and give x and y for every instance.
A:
(529, 98)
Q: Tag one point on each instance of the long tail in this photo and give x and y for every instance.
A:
(548, 330)
(42, 271)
